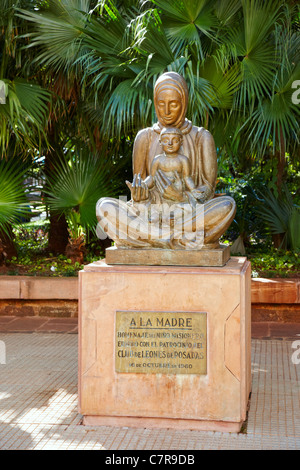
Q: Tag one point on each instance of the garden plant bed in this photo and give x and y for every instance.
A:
(34, 260)
(268, 266)
(36, 283)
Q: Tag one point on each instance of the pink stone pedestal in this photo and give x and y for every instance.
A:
(216, 400)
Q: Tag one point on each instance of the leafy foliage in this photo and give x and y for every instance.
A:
(80, 74)
(239, 58)
(77, 182)
(23, 115)
(281, 216)
(34, 260)
(275, 263)
(13, 203)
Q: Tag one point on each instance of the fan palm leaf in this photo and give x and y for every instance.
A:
(60, 29)
(281, 216)
(294, 228)
(77, 182)
(226, 12)
(250, 45)
(188, 23)
(24, 112)
(23, 115)
(13, 202)
(276, 117)
(225, 82)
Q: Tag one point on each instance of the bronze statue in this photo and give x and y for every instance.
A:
(173, 203)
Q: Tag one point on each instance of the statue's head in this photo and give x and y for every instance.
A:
(171, 99)
(171, 139)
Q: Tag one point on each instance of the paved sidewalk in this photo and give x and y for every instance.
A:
(38, 395)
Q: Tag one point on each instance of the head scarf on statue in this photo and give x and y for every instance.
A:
(171, 101)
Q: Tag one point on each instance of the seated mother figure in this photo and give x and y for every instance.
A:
(192, 226)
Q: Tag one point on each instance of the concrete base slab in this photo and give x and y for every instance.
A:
(164, 257)
(159, 423)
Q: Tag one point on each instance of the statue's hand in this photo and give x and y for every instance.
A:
(138, 188)
(201, 193)
(166, 187)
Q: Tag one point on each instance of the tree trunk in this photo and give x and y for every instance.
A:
(280, 171)
(7, 246)
(280, 154)
(277, 239)
(58, 234)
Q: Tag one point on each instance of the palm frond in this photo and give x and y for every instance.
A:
(24, 113)
(187, 23)
(281, 215)
(120, 112)
(77, 182)
(225, 82)
(251, 47)
(226, 11)
(13, 203)
(58, 32)
(294, 229)
(33, 100)
(275, 118)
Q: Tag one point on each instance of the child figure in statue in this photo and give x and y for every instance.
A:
(173, 168)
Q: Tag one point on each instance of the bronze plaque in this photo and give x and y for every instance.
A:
(161, 342)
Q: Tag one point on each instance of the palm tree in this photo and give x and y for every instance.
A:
(22, 116)
(239, 57)
(270, 64)
(22, 119)
(109, 50)
(79, 179)
(281, 216)
(13, 203)
(43, 114)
